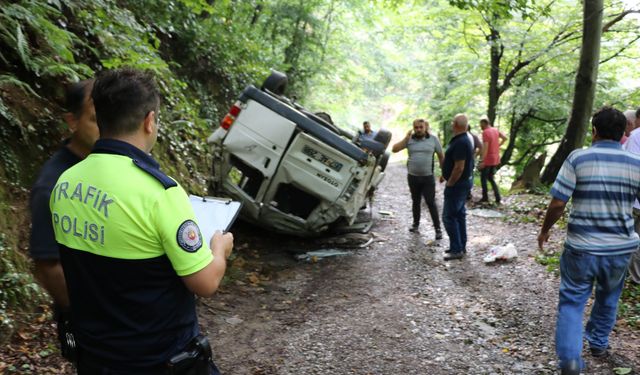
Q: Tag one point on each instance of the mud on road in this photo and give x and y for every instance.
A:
(394, 306)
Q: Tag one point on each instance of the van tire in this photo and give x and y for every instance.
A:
(383, 136)
(276, 82)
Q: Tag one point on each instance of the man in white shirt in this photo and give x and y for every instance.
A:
(633, 145)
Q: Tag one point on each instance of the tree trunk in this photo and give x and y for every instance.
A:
(496, 50)
(584, 89)
(294, 49)
(529, 178)
(256, 14)
(514, 129)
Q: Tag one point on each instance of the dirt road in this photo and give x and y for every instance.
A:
(394, 307)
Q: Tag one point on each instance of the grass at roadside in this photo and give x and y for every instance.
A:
(629, 307)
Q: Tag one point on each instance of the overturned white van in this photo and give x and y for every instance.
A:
(295, 171)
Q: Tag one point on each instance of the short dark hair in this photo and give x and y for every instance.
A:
(484, 120)
(609, 123)
(123, 98)
(75, 94)
(638, 112)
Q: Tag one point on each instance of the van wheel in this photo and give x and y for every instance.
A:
(383, 136)
(276, 82)
(384, 160)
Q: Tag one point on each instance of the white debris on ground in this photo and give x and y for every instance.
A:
(501, 253)
(319, 254)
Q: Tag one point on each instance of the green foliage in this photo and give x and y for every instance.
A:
(35, 48)
(202, 54)
(500, 8)
(552, 261)
(29, 31)
(622, 370)
(18, 290)
(629, 308)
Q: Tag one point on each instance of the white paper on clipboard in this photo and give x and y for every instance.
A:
(214, 214)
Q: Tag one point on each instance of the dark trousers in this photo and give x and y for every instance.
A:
(90, 365)
(454, 215)
(89, 368)
(424, 187)
(487, 173)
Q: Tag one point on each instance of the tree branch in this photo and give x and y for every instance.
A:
(548, 121)
(532, 150)
(617, 18)
(620, 50)
(561, 37)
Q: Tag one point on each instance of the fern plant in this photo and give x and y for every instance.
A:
(35, 32)
(18, 290)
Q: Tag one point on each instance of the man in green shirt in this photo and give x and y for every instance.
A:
(132, 252)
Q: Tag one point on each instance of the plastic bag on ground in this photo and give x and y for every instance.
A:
(501, 253)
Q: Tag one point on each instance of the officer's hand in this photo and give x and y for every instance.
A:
(222, 242)
(442, 179)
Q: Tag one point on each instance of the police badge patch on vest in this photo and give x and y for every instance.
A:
(189, 237)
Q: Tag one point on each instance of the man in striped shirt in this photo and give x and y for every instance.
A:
(603, 181)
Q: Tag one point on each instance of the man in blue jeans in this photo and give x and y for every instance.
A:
(457, 170)
(603, 181)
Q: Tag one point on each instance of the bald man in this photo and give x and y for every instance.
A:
(457, 171)
(630, 115)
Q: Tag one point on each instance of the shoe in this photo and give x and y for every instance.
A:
(438, 235)
(571, 367)
(452, 256)
(483, 200)
(599, 352)
(414, 228)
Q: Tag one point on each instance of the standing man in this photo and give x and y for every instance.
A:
(633, 145)
(421, 145)
(603, 181)
(492, 139)
(132, 252)
(477, 149)
(81, 119)
(365, 133)
(630, 114)
(457, 170)
(475, 142)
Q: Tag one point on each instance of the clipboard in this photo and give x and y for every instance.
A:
(213, 214)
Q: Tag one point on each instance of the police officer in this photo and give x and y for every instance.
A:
(81, 119)
(132, 252)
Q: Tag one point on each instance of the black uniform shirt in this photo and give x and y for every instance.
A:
(42, 242)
